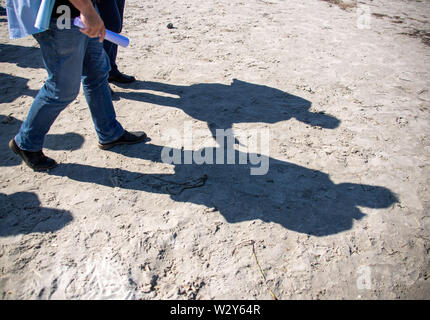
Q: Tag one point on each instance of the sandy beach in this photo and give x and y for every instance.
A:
(342, 90)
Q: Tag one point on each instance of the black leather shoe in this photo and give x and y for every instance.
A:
(35, 160)
(121, 78)
(126, 138)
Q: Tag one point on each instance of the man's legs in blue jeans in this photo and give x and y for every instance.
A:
(95, 71)
(112, 12)
(59, 53)
(69, 56)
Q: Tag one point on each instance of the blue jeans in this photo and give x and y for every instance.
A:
(112, 12)
(70, 57)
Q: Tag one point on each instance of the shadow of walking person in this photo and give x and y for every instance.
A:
(21, 213)
(297, 198)
(221, 106)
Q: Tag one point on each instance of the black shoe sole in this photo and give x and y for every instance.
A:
(116, 143)
(15, 149)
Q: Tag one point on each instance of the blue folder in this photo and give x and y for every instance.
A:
(44, 14)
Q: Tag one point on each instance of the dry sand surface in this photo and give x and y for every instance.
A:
(342, 213)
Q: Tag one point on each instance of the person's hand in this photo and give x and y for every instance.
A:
(94, 26)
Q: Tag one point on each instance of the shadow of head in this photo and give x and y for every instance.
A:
(295, 197)
(13, 87)
(24, 57)
(367, 195)
(21, 213)
(222, 105)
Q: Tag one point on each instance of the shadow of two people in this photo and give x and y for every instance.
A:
(21, 213)
(298, 198)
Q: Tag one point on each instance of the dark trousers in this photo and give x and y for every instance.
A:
(112, 12)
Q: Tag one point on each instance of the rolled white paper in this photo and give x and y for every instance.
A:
(110, 36)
